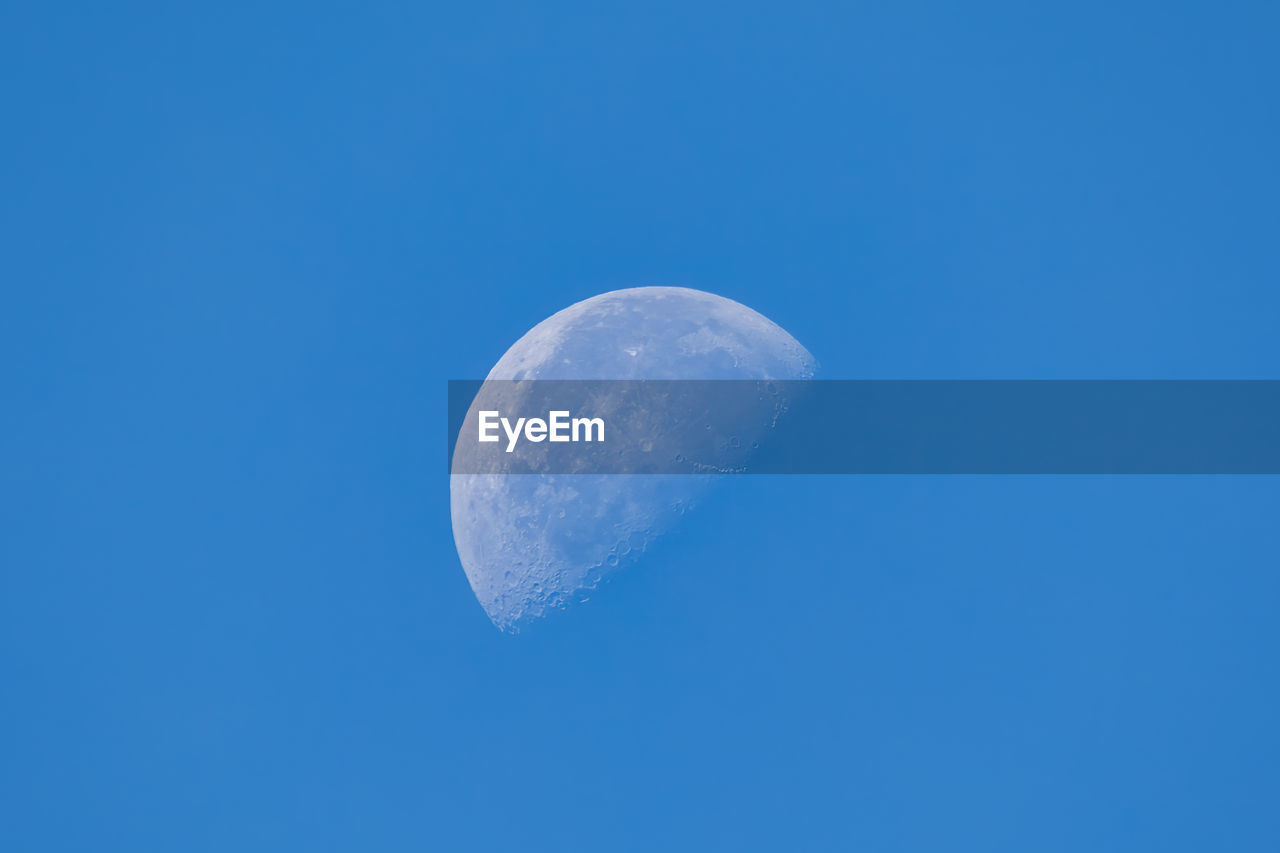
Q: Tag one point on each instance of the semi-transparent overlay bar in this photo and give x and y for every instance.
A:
(863, 427)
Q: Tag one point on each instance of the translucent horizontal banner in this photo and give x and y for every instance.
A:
(864, 427)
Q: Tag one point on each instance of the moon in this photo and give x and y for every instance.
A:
(531, 544)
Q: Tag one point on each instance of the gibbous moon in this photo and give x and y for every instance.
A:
(535, 542)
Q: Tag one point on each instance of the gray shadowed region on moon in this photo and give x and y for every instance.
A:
(535, 542)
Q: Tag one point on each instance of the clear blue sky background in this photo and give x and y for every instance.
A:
(245, 246)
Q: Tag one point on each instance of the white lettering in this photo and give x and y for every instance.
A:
(558, 427)
(486, 424)
(588, 424)
(559, 421)
(513, 435)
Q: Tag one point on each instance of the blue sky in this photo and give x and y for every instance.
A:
(245, 248)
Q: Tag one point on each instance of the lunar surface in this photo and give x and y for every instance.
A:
(537, 542)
